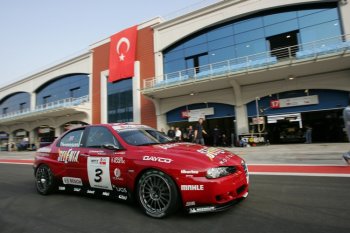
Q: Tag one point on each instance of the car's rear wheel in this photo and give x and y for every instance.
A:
(157, 194)
(45, 182)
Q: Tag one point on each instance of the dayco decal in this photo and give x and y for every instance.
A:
(157, 159)
(211, 152)
(195, 187)
(189, 172)
(68, 156)
(72, 180)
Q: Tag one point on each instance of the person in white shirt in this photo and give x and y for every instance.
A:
(178, 134)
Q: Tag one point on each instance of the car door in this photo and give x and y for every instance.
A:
(69, 156)
(105, 159)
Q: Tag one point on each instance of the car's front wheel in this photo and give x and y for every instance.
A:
(45, 183)
(157, 194)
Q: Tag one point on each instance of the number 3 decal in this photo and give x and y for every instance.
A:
(98, 173)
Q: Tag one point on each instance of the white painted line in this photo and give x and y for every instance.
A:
(298, 174)
(16, 163)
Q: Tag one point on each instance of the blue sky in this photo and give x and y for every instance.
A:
(37, 33)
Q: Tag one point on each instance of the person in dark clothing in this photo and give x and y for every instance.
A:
(346, 116)
(199, 131)
(190, 134)
(216, 136)
(171, 132)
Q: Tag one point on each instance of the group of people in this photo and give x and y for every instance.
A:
(196, 134)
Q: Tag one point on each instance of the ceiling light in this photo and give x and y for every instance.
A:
(288, 36)
(191, 93)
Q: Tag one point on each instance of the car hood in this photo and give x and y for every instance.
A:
(203, 154)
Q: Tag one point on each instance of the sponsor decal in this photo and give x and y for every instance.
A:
(189, 172)
(98, 172)
(211, 152)
(106, 194)
(121, 190)
(226, 158)
(99, 152)
(190, 203)
(68, 156)
(157, 159)
(119, 160)
(123, 197)
(90, 191)
(77, 189)
(117, 174)
(194, 187)
(61, 188)
(168, 146)
(202, 209)
(70, 144)
(120, 153)
(72, 180)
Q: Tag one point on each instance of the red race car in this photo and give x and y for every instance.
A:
(127, 161)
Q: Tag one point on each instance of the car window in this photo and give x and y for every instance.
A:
(72, 139)
(99, 136)
(140, 137)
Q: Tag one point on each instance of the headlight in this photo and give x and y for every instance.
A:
(218, 172)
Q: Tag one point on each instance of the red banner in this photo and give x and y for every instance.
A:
(274, 104)
(122, 54)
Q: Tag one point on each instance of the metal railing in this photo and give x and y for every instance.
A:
(62, 103)
(297, 53)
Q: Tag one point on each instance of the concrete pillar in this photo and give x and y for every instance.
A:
(161, 122)
(10, 142)
(136, 93)
(32, 101)
(33, 138)
(344, 8)
(103, 95)
(58, 131)
(242, 125)
(158, 58)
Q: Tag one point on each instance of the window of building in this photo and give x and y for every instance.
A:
(74, 92)
(120, 101)
(46, 99)
(284, 45)
(22, 106)
(4, 111)
(197, 61)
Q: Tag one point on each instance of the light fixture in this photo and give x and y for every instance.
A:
(291, 77)
(288, 36)
(191, 93)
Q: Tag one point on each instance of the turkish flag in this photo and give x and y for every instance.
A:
(122, 54)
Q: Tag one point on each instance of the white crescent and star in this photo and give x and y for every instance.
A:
(121, 41)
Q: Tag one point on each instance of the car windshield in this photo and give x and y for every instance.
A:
(143, 137)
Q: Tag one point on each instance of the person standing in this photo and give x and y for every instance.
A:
(346, 116)
(190, 134)
(171, 132)
(178, 134)
(216, 136)
(308, 134)
(199, 131)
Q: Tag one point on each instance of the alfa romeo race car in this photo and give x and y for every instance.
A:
(130, 161)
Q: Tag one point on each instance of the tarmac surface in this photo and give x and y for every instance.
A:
(275, 204)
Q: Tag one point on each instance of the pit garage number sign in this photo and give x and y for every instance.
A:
(98, 172)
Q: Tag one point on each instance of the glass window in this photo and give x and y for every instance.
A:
(120, 101)
(15, 102)
(202, 48)
(318, 18)
(60, 88)
(222, 54)
(279, 28)
(321, 31)
(303, 12)
(220, 33)
(72, 139)
(141, 137)
(221, 43)
(99, 136)
(200, 39)
(173, 55)
(174, 66)
(250, 35)
(279, 17)
(252, 47)
(248, 25)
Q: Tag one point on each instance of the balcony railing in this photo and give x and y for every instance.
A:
(63, 103)
(298, 53)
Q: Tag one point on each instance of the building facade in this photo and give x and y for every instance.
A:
(255, 67)
(262, 70)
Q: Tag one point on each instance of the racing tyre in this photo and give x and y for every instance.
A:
(45, 182)
(157, 194)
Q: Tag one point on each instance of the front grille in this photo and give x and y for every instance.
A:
(240, 189)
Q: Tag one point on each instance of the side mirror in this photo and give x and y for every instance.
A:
(110, 147)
